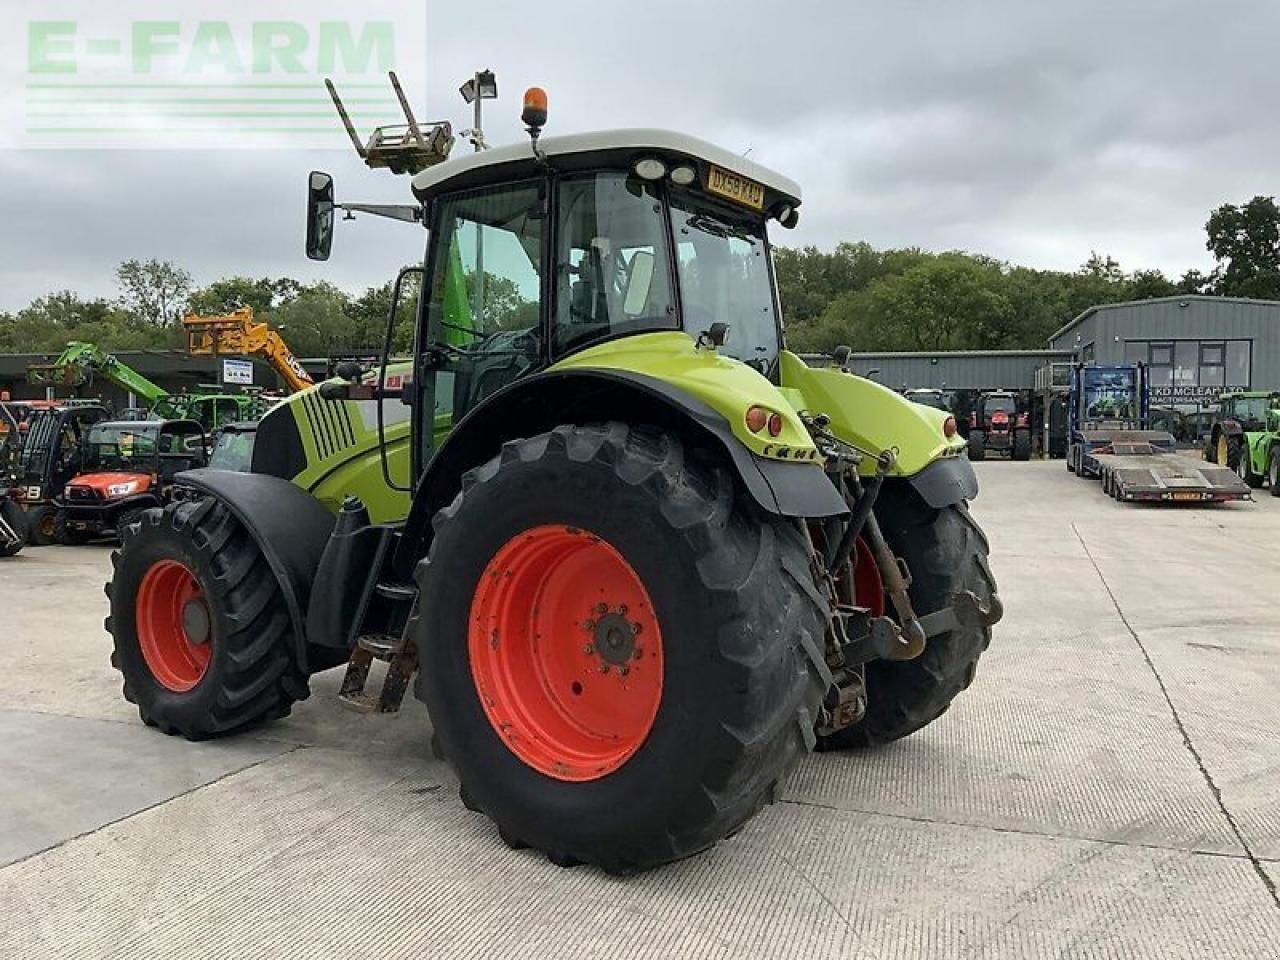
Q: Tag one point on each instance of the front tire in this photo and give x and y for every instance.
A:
(66, 534)
(660, 767)
(1273, 470)
(1244, 468)
(945, 552)
(200, 629)
(42, 526)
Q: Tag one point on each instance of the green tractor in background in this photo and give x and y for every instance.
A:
(635, 556)
(1242, 437)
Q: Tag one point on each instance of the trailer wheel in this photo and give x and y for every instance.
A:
(200, 629)
(946, 552)
(977, 445)
(617, 649)
(1021, 445)
(1273, 470)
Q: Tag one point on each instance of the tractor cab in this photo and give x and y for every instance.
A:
(126, 467)
(49, 458)
(930, 397)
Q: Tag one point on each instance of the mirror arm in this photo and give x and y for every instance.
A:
(407, 212)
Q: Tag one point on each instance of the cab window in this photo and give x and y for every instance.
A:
(611, 265)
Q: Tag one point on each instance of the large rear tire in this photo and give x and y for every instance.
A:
(1021, 445)
(549, 547)
(945, 552)
(977, 445)
(200, 628)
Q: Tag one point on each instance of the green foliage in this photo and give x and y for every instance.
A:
(1245, 240)
(913, 300)
(153, 291)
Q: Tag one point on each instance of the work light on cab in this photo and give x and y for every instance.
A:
(684, 176)
(650, 168)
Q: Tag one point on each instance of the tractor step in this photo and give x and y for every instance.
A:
(401, 657)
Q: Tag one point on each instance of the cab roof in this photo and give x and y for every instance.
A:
(601, 148)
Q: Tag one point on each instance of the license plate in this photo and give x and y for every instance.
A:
(1186, 496)
(733, 187)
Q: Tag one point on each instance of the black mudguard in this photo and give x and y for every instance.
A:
(290, 527)
(946, 482)
(536, 404)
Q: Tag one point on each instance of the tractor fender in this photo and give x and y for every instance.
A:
(290, 527)
(536, 404)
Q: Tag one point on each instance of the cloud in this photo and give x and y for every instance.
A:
(1032, 132)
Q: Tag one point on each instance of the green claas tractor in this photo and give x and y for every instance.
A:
(1239, 438)
(635, 556)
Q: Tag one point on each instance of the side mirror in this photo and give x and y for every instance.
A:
(639, 283)
(319, 216)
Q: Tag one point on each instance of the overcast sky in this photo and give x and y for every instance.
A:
(1030, 131)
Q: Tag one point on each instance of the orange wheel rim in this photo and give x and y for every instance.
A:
(174, 626)
(566, 653)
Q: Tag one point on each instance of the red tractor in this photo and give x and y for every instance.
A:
(997, 425)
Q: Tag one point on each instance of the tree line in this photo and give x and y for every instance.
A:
(869, 299)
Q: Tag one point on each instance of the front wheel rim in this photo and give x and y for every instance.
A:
(174, 626)
(566, 653)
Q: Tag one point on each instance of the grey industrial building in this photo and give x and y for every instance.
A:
(957, 370)
(1196, 347)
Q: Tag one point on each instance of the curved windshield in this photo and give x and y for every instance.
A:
(1250, 408)
(120, 448)
(723, 263)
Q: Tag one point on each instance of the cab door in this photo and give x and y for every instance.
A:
(481, 322)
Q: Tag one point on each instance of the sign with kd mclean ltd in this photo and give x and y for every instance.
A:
(240, 74)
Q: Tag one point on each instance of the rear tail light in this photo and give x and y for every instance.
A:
(757, 419)
(775, 424)
(949, 427)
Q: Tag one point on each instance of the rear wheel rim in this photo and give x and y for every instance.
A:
(566, 653)
(1222, 451)
(174, 626)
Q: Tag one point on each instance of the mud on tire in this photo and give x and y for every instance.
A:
(741, 633)
(251, 676)
(945, 552)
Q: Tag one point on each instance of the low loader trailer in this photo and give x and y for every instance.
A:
(1143, 465)
(1111, 440)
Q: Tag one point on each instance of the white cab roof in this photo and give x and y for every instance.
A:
(662, 142)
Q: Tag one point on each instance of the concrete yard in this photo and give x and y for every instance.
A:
(1109, 787)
